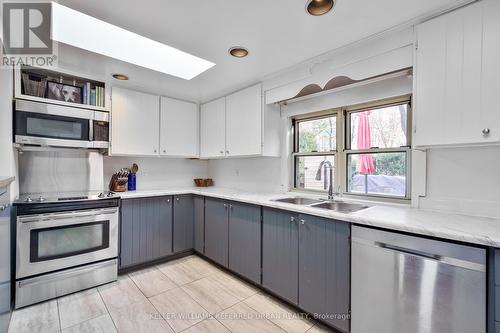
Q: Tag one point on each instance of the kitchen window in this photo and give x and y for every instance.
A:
(367, 146)
(315, 145)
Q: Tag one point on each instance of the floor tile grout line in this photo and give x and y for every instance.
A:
(87, 320)
(85, 290)
(109, 313)
(149, 301)
(59, 315)
(243, 301)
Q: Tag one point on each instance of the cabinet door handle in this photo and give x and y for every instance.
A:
(168, 200)
(227, 152)
(231, 206)
(222, 152)
(3, 207)
(177, 199)
(154, 151)
(164, 150)
(486, 132)
(292, 218)
(302, 222)
(225, 205)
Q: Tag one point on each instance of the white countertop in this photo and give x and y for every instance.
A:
(5, 181)
(469, 229)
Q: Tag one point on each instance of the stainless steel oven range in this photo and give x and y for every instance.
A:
(64, 244)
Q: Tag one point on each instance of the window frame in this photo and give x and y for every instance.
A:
(343, 150)
(295, 151)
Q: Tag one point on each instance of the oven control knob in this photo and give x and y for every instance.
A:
(101, 195)
(41, 199)
(28, 199)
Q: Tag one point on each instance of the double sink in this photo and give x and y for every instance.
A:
(337, 206)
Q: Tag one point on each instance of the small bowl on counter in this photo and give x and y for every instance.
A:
(200, 182)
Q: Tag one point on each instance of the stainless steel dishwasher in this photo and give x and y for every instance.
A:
(409, 284)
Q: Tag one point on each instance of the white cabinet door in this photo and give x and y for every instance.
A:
(244, 122)
(213, 129)
(490, 91)
(454, 71)
(179, 130)
(134, 123)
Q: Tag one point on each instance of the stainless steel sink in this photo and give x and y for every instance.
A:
(298, 201)
(341, 207)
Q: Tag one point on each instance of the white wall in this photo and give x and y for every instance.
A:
(464, 180)
(248, 174)
(7, 153)
(158, 173)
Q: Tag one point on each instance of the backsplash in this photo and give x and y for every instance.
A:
(157, 173)
(257, 174)
(60, 171)
(463, 180)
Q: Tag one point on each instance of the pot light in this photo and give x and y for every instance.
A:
(86, 32)
(319, 7)
(122, 77)
(238, 52)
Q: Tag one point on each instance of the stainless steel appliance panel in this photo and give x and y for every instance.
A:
(409, 284)
(60, 171)
(34, 290)
(5, 299)
(46, 242)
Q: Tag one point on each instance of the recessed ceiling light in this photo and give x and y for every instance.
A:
(238, 52)
(86, 32)
(319, 7)
(122, 77)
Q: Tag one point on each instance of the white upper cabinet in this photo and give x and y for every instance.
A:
(135, 121)
(457, 68)
(179, 128)
(213, 129)
(244, 122)
(238, 125)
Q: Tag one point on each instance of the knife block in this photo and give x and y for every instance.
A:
(117, 185)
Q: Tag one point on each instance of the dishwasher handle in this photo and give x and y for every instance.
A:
(408, 251)
(425, 255)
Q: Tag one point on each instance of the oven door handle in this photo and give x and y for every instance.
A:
(60, 216)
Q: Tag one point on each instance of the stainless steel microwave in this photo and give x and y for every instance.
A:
(45, 124)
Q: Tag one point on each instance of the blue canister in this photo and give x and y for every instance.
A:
(132, 181)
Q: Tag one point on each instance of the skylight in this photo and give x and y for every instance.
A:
(86, 32)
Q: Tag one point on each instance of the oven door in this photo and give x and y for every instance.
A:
(50, 242)
(51, 125)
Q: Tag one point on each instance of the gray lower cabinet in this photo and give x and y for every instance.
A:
(217, 230)
(199, 224)
(280, 253)
(324, 269)
(145, 230)
(183, 228)
(245, 240)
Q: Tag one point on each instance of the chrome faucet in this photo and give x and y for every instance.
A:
(328, 165)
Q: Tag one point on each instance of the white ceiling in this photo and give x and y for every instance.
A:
(278, 34)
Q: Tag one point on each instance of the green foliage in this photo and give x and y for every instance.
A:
(390, 164)
(307, 141)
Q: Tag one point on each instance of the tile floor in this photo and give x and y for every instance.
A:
(186, 295)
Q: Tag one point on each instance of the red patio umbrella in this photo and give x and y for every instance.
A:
(365, 162)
